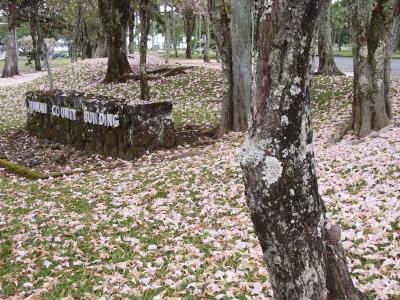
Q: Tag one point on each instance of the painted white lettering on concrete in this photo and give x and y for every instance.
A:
(103, 119)
(39, 107)
(100, 119)
(63, 112)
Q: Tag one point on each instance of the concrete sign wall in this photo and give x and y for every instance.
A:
(104, 125)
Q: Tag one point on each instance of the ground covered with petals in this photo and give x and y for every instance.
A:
(175, 223)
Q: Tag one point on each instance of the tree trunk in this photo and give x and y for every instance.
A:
(217, 55)
(36, 51)
(236, 94)
(144, 32)
(114, 15)
(131, 24)
(327, 65)
(371, 25)
(392, 41)
(167, 33)
(189, 19)
(221, 25)
(11, 61)
(153, 35)
(100, 46)
(303, 254)
(174, 39)
(242, 74)
(206, 56)
(86, 43)
(199, 31)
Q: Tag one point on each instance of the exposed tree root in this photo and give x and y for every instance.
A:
(329, 70)
(164, 71)
(340, 131)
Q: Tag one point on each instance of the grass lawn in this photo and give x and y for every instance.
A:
(182, 54)
(348, 53)
(54, 63)
(181, 228)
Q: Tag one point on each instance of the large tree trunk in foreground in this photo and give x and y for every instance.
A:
(144, 32)
(303, 254)
(327, 65)
(371, 27)
(189, 20)
(242, 75)
(11, 61)
(114, 16)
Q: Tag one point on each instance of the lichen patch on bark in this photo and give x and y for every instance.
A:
(272, 170)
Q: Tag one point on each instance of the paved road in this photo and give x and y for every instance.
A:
(345, 64)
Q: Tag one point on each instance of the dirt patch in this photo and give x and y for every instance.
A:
(48, 157)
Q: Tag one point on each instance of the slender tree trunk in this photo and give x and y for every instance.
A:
(48, 67)
(206, 56)
(131, 24)
(242, 74)
(114, 17)
(327, 65)
(40, 41)
(36, 51)
(100, 46)
(144, 32)
(152, 33)
(303, 255)
(371, 27)
(189, 19)
(10, 68)
(75, 40)
(217, 55)
(167, 32)
(199, 37)
(86, 43)
(174, 39)
(221, 25)
(196, 31)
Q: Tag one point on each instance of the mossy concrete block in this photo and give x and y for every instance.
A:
(105, 125)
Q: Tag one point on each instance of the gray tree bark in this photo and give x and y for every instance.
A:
(221, 26)
(167, 33)
(34, 26)
(131, 24)
(217, 55)
(189, 19)
(235, 106)
(174, 39)
(114, 15)
(302, 252)
(242, 52)
(206, 56)
(10, 68)
(327, 65)
(371, 24)
(144, 11)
